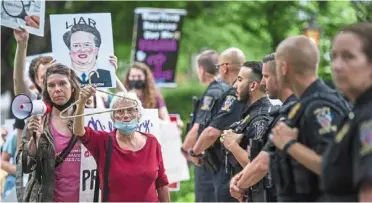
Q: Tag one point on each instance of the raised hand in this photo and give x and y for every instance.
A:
(21, 35)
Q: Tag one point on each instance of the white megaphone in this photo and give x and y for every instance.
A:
(23, 107)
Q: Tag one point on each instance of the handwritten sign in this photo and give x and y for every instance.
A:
(27, 14)
(158, 35)
(84, 43)
(149, 123)
(175, 163)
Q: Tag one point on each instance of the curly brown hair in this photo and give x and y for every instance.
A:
(149, 91)
(62, 70)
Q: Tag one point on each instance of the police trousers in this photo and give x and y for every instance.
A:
(204, 187)
(221, 181)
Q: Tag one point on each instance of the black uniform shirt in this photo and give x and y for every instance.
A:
(348, 161)
(229, 111)
(269, 146)
(258, 126)
(208, 105)
(317, 121)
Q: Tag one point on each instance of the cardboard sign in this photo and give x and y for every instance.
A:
(29, 14)
(157, 35)
(84, 42)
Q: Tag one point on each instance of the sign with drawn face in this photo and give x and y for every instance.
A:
(84, 42)
(157, 35)
(149, 123)
(29, 14)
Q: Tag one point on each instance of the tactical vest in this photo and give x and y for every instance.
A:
(279, 173)
(241, 127)
(220, 88)
(293, 175)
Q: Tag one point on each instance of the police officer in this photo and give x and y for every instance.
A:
(312, 121)
(347, 165)
(251, 130)
(258, 169)
(204, 189)
(207, 149)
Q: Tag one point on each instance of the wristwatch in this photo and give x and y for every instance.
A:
(191, 152)
(288, 144)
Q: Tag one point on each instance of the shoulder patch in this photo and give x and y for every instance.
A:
(324, 116)
(294, 110)
(365, 135)
(259, 127)
(228, 102)
(206, 103)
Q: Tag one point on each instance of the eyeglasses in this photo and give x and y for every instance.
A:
(218, 66)
(130, 111)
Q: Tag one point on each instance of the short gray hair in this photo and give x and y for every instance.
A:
(126, 95)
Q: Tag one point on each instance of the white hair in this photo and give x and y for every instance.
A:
(126, 95)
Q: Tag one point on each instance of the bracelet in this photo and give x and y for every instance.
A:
(288, 144)
(194, 155)
(184, 151)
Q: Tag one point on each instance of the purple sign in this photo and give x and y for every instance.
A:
(157, 41)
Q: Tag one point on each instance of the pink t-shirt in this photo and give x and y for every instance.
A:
(67, 174)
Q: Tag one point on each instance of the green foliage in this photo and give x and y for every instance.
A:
(186, 193)
(179, 100)
(256, 27)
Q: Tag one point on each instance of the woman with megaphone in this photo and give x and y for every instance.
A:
(49, 149)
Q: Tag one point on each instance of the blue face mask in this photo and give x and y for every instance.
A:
(127, 128)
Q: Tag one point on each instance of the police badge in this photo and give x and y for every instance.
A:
(259, 126)
(228, 102)
(365, 134)
(324, 117)
(206, 105)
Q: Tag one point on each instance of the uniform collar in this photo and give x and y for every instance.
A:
(365, 97)
(258, 103)
(314, 87)
(290, 99)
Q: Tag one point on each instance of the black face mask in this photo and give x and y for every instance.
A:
(137, 84)
(63, 106)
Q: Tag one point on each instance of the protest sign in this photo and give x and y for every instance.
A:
(174, 162)
(29, 14)
(157, 35)
(84, 42)
(149, 123)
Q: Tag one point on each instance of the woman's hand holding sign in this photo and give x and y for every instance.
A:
(21, 35)
(33, 21)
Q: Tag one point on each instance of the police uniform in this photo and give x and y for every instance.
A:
(206, 108)
(348, 161)
(316, 115)
(228, 111)
(275, 184)
(254, 127)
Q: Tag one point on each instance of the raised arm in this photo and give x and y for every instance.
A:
(19, 62)
(85, 94)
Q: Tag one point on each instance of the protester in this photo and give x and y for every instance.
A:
(136, 172)
(48, 141)
(7, 162)
(139, 78)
